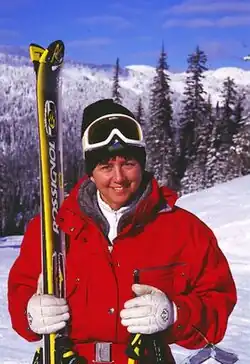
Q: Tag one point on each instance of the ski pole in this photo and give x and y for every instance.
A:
(138, 342)
(134, 347)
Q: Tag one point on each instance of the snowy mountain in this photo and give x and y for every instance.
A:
(226, 209)
(85, 83)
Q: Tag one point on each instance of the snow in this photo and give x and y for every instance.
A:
(141, 76)
(232, 72)
(85, 83)
(226, 209)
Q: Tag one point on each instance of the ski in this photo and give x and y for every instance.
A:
(47, 66)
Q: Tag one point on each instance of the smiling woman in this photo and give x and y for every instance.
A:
(117, 180)
(131, 267)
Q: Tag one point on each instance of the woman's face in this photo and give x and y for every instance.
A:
(117, 180)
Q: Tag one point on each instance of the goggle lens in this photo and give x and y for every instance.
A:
(100, 131)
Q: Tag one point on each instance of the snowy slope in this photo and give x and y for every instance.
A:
(226, 209)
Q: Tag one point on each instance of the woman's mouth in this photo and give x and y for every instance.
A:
(119, 189)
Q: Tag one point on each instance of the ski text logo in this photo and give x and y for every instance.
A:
(57, 57)
(53, 184)
(50, 118)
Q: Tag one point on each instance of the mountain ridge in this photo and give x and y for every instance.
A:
(95, 81)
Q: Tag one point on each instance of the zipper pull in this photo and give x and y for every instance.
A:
(136, 275)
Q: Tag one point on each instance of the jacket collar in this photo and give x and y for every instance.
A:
(160, 199)
(80, 208)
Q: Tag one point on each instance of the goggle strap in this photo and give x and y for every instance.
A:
(110, 116)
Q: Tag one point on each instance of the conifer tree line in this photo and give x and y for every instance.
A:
(211, 143)
(204, 144)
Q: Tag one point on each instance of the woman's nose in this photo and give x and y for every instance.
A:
(118, 174)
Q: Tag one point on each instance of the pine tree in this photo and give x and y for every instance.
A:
(161, 94)
(213, 142)
(205, 143)
(4, 180)
(194, 119)
(19, 153)
(73, 156)
(116, 86)
(238, 112)
(229, 102)
(226, 128)
(139, 112)
(195, 177)
(239, 159)
(160, 146)
(240, 150)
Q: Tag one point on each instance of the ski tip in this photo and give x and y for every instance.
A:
(56, 50)
(55, 43)
(54, 54)
(35, 52)
(36, 45)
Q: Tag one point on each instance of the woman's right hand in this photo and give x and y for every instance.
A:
(47, 314)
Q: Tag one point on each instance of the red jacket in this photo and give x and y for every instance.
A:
(175, 252)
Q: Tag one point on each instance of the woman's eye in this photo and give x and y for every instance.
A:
(106, 167)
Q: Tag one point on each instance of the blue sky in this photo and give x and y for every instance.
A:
(99, 31)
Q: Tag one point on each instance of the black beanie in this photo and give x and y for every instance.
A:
(96, 110)
(101, 108)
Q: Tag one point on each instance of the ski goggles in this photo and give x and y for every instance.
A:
(101, 132)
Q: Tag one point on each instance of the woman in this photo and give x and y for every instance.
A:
(121, 225)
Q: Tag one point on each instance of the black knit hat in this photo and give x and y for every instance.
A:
(96, 110)
(101, 108)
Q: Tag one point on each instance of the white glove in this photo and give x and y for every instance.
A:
(47, 314)
(148, 313)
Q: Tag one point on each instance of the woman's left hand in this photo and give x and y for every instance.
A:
(150, 312)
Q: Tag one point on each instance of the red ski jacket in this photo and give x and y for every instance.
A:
(173, 250)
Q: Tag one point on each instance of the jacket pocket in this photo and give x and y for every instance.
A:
(172, 279)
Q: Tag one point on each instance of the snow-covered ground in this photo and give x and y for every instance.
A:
(226, 209)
